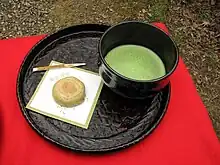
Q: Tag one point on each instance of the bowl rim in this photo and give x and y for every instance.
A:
(130, 79)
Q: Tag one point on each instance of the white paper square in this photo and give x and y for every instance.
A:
(42, 100)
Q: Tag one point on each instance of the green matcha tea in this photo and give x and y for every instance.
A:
(135, 62)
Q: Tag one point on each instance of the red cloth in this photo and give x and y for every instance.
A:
(185, 136)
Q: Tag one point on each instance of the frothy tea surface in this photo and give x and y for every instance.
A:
(135, 62)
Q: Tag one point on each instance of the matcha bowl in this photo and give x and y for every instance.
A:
(136, 59)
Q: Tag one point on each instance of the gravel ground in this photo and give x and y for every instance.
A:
(195, 25)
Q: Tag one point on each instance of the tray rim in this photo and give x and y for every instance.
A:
(36, 128)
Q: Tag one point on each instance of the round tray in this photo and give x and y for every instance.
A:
(116, 122)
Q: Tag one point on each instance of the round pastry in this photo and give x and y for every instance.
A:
(69, 92)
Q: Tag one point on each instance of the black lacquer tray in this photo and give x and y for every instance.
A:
(116, 122)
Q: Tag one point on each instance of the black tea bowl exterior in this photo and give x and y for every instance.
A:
(143, 34)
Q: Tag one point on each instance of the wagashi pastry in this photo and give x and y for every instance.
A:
(69, 92)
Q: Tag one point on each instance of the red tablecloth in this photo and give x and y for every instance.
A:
(185, 136)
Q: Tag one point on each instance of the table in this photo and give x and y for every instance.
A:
(185, 136)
